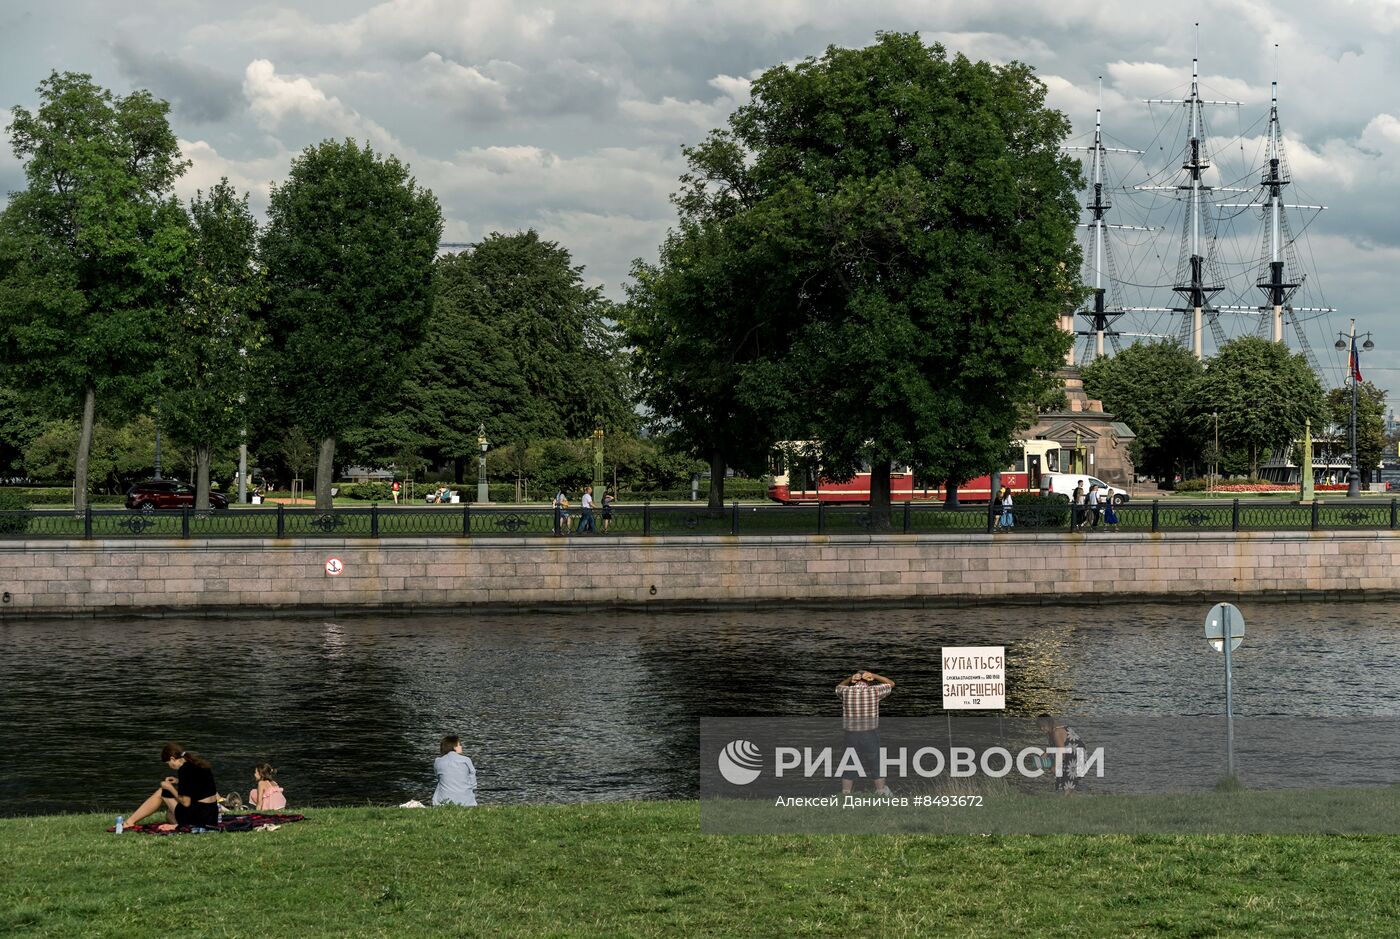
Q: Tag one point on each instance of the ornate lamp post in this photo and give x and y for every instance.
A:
(598, 458)
(242, 431)
(483, 492)
(1345, 340)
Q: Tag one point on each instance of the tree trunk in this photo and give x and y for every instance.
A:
(325, 475)
(80, 459)
(717, 469)
(950, 501)
(880, 494)
(201, 477)
(1253, 462)
(459, 469)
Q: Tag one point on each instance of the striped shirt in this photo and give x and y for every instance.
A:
(860, 705)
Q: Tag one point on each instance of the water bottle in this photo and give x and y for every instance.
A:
(120, 826)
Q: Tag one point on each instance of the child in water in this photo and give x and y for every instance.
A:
(268, 796)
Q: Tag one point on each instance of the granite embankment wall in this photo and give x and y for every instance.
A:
(99, 578)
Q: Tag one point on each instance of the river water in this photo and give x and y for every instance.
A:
(600, 706)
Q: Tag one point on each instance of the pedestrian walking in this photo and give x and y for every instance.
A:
(608, 500)
(395, 489)
(585, 522)
(1095, 506)
(860, 696)
(1110, 514)
(561, 513)
(1008, 519)
(1077, 507)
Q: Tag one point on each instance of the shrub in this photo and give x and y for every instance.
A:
(12, 501)
(1192, 485)
(1048, 511)
(369, 492)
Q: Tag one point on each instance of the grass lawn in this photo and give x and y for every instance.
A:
(643, 869)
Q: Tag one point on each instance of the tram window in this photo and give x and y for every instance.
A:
(777, 464)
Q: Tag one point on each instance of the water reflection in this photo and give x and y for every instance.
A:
(599, 706)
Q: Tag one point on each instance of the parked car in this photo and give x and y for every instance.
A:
(155, 494)
(1063, 484)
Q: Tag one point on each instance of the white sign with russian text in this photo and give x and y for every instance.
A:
(974, 678)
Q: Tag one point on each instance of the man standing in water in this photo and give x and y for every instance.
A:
(860, 717)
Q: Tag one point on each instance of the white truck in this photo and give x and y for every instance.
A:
(1064, 484)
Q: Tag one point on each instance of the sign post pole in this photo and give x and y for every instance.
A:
(1229, 697)
(1225, 625)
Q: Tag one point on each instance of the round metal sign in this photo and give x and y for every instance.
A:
(335, 567)
(1224, 617)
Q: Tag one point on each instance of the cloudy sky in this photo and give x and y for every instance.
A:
(569, 116)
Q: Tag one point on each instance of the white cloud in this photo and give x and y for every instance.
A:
(274, 101)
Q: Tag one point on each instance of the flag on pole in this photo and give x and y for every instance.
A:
(1354, 362)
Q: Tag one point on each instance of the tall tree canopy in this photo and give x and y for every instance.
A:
(517, 342)
(696, 320)
(214, 340)
(1370, 422)
(917, 218)
(91, 251)
(349, 253)
(1151, 387)
(1262, 393)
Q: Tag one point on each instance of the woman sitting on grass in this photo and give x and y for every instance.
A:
(190, 797)
(268, 797)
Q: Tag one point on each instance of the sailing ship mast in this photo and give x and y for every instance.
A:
(1192, 278)
(1099, 314)
(1274, 278)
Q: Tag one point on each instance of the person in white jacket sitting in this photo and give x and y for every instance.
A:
(456, 775)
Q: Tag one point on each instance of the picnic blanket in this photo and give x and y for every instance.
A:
(248, 822)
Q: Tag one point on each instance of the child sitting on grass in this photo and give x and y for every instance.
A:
(268, 796)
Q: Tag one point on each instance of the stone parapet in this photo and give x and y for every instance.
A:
(225, 576)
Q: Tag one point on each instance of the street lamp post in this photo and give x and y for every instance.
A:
(483, 492)
(242, 432)
(1345, 341)
(1215, 463)
(157, 466)
(598, 458)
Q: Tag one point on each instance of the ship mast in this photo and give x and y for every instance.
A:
(1274, 281)
(1100, 316)
(1194, 290)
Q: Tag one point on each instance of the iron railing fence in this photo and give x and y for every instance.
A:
(736, 519)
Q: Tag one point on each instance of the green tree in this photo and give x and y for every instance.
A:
(1370, 423)
(917, 221)
(1262, 393)
(696, 320)
(349, 251)
(117, 454)
(90, 251)
(1150, 387)
(208, 364)
(21, 420)
(516, 342)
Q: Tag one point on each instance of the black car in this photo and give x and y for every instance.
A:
(152, 494)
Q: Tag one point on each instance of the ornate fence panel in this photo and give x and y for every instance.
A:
(1166, 516)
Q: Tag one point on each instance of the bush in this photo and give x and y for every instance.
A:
(1048, 511)
(12, 501)
(1192, 485)
(369, 492)
(58, 495)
